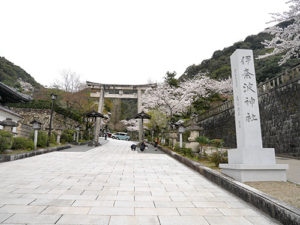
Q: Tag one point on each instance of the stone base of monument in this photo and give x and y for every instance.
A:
(246, 172)
(255, 165)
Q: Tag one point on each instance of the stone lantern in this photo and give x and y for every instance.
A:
(142, 115)
(8, 124)
(58, 132)
(195, 131)
(36, 125)
(77, 132)
(94, 115)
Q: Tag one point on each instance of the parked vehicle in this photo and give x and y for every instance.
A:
(120, 136)
(109, 134)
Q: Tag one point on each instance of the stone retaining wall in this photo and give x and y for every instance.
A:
(279, 103)
(43, 115)
(24, 130)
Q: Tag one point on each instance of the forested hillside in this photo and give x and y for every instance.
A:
(10, 73)
(218, 66)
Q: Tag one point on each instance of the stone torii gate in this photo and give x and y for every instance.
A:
(102, 91)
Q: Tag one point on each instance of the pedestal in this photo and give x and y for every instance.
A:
(254, 165)
(252, 172)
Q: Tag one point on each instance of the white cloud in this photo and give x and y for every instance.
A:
(119, 41)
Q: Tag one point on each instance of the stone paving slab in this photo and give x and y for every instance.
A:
(112, 185)
(134, 220)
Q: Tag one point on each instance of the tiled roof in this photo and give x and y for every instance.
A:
(11, 95)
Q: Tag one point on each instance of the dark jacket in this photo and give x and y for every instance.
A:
(142, 147)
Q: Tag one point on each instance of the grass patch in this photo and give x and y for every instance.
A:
(285, 191)
(204, 161)
(209, 164)
(14, 152)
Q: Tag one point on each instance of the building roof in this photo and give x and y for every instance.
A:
(9, 111)
(11, 95)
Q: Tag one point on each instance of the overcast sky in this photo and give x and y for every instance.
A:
(124, 41)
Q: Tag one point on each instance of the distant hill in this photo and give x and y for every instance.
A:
(14, 76)
(218, 66)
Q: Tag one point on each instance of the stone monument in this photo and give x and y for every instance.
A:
(250, 161)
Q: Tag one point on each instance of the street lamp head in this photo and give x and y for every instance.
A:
(77, 128)
(142, 115)
(36, 125)
(94, 114)
(181, 129)
(53, 96)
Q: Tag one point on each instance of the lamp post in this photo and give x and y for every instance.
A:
(142, 115)
(77, 133)
(53, 97)
(105, 135)
(93, 114)
(59, 132)
(180, 131)
(36, 125)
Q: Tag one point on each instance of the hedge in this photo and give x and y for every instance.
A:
(42, 138)
(22, 143)
(5, 140)
(67, 136)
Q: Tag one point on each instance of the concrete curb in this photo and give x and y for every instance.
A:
(279, 210)
(7, 158)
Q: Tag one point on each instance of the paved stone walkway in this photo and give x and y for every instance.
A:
(113, 185)
(293, 173)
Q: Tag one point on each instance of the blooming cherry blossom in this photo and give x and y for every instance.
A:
(285, 39)
(172, 100)
(131, 125)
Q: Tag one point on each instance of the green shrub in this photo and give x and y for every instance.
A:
(5, 140)
(218, 143)
(167, 141)
(176, 147)
(87, 136)
(149, 138)
(22, 143)
(202, 140)
(183, 151)
(186, 134)
(67, 136)
(203, 154)
(187, 152)
(53, 138)
(42, 138)
(218, 157)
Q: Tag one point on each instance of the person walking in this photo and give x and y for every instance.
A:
(155, 144)
(143, 146)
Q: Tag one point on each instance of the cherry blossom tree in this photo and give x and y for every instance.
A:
(171, 100)
(158, 121)
(131, 125)
(286, 39)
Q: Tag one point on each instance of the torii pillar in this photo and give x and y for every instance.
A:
(139, 98)
(100, 110)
